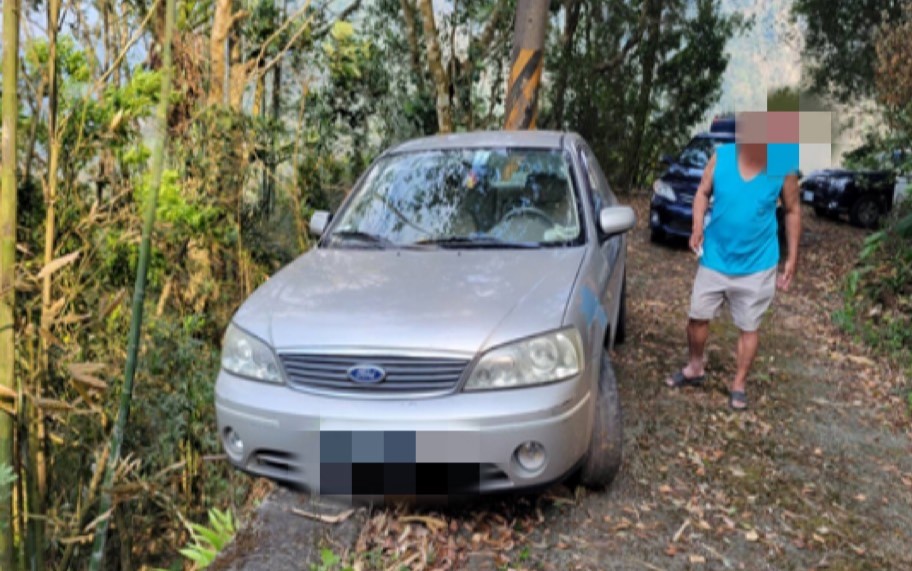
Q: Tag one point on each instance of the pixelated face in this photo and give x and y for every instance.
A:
(751, 127)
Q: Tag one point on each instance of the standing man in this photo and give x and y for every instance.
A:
(739, 248)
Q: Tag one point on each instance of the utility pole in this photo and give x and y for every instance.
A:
(527, 63)
(8, 265)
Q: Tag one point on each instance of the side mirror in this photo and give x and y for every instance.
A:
(667, 159)
(318, 222)
(616, 219)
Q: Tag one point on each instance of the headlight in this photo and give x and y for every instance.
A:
(245, 355)
(664, 190)
(543, 359)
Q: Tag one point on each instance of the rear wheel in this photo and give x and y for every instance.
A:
(865, 213)
(603, 460)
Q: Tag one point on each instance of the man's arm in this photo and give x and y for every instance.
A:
(792, 206)
(701, 203)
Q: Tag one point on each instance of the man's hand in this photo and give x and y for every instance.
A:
(784, 279)
(696, 242)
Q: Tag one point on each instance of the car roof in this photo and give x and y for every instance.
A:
(479, 139)
(724, 135)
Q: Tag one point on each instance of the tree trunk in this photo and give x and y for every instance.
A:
(648, 59)
(139, 294)
(411, 34)
(527, 63)
(441, 81)
(218, 53)
(572, 12)
(8, 263)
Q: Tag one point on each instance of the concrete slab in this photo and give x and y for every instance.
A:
(278, 537)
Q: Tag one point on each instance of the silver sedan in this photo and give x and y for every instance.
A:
(447, 335)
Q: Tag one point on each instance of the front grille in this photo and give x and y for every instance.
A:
(685, 198)
(403, 373)
(680, 224)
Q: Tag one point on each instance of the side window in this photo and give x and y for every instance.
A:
(595, 194)
(601, 192)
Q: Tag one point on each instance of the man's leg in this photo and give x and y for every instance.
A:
(706, 299)
(697, 334)
(750, 299)
(747, 352)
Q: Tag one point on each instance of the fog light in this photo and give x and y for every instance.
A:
(654, 218)
(530, 456)
(233, 441)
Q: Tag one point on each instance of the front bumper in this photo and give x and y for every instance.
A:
(457, 444)
(670, 218)
(824, 200)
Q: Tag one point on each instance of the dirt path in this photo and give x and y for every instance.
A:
(817, 475)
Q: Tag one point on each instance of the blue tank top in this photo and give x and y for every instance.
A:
(741, 235)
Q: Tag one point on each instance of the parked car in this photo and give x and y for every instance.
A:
(448, 334)
(671, 210)
(866, 196)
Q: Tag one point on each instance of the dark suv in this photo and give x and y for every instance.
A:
(864, 195)
(671, 212)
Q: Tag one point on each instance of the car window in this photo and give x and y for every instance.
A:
(600, 193)
(513, 195)
(699, 150)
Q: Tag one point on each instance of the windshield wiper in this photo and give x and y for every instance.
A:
(475, 242)
(367, 237)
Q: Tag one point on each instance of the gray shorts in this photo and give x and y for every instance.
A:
(748, 296)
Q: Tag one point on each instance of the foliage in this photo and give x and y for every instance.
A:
(878, 292)
(839, 44)
(209, 541)
(605, 84)
(329, 561)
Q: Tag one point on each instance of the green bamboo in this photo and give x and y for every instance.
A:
(8, 261)
(139, 294)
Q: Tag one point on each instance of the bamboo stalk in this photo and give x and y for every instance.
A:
(37, 499)
(139, 294)
(8, 259)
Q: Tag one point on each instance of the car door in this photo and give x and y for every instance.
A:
(611, 247)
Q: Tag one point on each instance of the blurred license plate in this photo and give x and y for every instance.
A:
(808, 196)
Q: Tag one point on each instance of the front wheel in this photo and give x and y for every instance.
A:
(603, 459)
(865, 213)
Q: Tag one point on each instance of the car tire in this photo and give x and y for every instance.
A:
(656, 236)
(865, 213)
(620, 333)
(603, 459)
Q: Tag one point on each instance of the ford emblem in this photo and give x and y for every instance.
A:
(366, 374)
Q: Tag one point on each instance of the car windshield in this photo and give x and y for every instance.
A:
(490, 198)
(699, 150)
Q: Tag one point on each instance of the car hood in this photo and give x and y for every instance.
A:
(458, 301)
(683, 179)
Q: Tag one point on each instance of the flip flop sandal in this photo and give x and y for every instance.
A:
(739, 397)
(678, 380)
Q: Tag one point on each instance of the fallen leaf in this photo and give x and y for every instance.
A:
(695, 559)
(751, 535)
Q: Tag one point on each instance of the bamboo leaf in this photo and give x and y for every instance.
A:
(54, 404)
(84, 373)
(55, 265)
